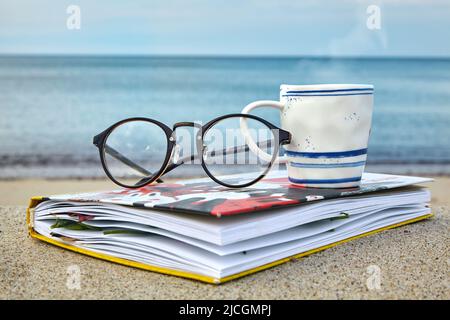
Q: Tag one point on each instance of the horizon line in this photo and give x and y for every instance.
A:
(223, 56)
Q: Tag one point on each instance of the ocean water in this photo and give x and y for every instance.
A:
(51, 107)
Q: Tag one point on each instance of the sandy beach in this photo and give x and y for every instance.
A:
(413, 260)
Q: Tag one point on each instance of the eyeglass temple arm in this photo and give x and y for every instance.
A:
(118, 156)
(231, 150)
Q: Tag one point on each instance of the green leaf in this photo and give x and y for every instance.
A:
(343, 215)
(73, 225)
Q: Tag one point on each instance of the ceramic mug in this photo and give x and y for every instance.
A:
(330, 126)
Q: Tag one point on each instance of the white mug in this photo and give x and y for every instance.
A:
(330, 126)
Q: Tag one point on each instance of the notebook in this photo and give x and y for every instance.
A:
(203, 231)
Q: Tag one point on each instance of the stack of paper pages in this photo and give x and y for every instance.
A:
(200, 230)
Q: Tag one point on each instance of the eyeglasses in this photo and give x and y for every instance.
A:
(137, 151)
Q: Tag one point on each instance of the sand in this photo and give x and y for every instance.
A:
(413, 262)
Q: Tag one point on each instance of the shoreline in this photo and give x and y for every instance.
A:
(104, 178)
(81, 172)
(20, 191)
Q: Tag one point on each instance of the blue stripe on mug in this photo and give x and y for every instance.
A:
(341, 154)
(324, 181)
(327, 95)
(333, 90)
(327, 165)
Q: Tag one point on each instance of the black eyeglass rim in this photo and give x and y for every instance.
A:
(100, 140)
(211, 123)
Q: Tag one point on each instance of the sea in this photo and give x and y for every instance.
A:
(52, 106)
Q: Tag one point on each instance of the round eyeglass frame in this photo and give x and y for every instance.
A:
(101, 139)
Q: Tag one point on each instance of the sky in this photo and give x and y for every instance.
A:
(410, 28)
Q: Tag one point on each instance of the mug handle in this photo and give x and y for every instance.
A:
(251, 143)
